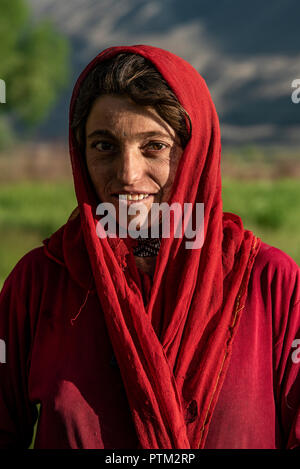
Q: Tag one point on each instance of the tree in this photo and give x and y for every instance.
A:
(34, 63)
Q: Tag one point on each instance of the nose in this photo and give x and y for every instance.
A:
(130, 166)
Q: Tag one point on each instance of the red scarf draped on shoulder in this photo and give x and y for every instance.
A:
(173, 353)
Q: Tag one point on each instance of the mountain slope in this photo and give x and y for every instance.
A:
(249, 54)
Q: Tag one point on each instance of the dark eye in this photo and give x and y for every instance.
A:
(156, 146)
(104, 146)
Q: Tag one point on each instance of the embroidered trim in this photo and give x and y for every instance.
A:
(236, 311)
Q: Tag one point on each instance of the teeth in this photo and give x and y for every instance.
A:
(133, 196)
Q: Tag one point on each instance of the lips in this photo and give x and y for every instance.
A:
(131, 196)
(129, 199)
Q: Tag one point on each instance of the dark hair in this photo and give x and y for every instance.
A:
(136, 77)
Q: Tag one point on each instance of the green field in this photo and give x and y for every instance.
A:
(31, 211)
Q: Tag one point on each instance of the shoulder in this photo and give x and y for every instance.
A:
(270, 255)
(30, 270)
(271, 262)
(31, 258)
(274, 284)
(274, 289)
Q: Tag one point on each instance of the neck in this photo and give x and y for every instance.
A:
(146, 264)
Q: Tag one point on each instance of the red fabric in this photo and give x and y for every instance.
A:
(66, 365)
(63, 314)
(175, 350)
(259, 405)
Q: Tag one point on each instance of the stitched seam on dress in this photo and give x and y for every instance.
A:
(219, 374)
(237, 309)
(82, 306)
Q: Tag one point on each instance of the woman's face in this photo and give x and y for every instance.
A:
(130, 151)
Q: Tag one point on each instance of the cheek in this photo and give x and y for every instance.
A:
(99, 175)
(162, 174)
(170, 173)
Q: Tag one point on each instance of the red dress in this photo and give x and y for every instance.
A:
(208, 359)
(69, 367)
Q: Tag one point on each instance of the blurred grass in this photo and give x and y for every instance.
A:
(269, 208)
(31, 211)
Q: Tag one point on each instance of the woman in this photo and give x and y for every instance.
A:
(148, 344)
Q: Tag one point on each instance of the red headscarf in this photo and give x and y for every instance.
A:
(173, 353)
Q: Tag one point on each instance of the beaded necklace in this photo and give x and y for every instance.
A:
(147, 247)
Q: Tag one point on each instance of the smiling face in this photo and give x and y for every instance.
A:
(130, 151)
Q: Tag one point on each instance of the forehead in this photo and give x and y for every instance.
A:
(120, 113)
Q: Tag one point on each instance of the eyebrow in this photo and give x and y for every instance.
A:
(108, 133)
